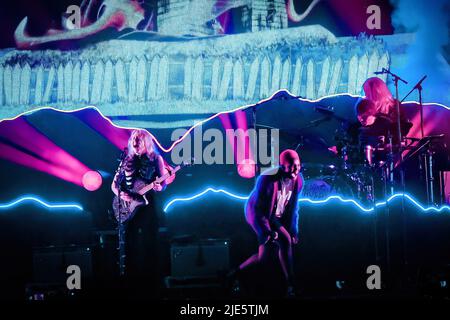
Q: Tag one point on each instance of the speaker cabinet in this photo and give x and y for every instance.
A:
(50, 263)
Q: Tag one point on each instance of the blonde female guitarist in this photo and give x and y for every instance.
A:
(141, 165)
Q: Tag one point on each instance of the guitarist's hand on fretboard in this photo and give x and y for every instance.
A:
(125, 196)
(130, 196)
(130, 201)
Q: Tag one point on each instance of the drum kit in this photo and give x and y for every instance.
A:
(343, 177)
(370, 172)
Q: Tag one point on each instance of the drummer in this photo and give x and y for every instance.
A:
(377, 114)
(377, 126)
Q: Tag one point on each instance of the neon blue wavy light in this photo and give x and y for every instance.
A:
(41, 202)
(330, 198)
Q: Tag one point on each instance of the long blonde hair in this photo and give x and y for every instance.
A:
(377, 91)
(148, 142)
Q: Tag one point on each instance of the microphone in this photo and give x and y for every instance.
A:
(326, 110)
(123, 155)
(396, 77)
(420, 82)
(383, 71)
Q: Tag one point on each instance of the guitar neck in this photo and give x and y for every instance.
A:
(164, 177)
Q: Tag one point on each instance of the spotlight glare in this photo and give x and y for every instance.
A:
(246, 169)
(92, 180)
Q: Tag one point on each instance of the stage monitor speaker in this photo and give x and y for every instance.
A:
(50, 263)
(204, 258)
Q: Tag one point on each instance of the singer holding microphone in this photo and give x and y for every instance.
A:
(272, 212)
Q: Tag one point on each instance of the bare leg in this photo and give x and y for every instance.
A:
(256, 258)
(285, 254)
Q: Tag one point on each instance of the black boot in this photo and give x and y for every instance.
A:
(232, 281)
(290, 292)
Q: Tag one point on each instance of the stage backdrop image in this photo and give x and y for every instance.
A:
(203, 96)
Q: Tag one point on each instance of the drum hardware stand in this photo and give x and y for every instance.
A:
(428, 157)
(418, 86)
(402, 172)
(429, 175)
(396, 79)
(371, 168)
(427, 160)
(390, 184)
(375, 230)
(442, 186)
(427, 164)
(429, 168)
(390, 163)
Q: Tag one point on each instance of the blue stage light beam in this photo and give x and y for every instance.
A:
(38, 201)
(353, 202)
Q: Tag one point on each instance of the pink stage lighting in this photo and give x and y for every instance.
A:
(243, 155)
(115, 135)
(92, 180)
(247, 169)
(27, 146)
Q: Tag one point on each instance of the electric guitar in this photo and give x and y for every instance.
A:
(125, 210)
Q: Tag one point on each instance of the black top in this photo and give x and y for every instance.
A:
(137, 168)
(383, 126)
